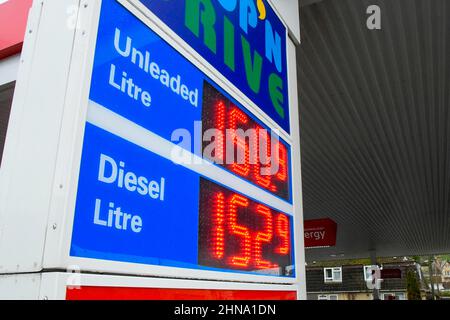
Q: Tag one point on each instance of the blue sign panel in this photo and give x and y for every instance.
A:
(133, 205)
(138, 75)
(136, 205)
(129, 60)
(243, 39)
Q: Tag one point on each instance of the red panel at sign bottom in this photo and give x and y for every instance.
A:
(123, 293)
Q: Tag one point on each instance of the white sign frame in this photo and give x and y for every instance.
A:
(49, 239)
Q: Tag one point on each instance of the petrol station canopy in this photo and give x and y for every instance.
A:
(374, 108)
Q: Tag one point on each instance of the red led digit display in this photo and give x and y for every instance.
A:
(236, 232)
(247, 153)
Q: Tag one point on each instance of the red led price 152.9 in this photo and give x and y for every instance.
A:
(219, 113)
(236, 232)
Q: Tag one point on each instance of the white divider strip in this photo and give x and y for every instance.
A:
(130, 131)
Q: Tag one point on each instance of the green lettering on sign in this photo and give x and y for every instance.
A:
(252, 70)
(276, 94)
(228, 31)
(202, 11)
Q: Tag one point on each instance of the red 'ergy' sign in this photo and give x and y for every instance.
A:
(13, 22)
(320, 233)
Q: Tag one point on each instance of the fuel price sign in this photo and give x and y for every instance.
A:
(239, 233)
(226, 209)
(221, 114)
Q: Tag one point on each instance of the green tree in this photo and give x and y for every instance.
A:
(412, 286)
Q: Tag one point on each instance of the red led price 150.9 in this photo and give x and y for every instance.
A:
(220, 114)
(236, 232)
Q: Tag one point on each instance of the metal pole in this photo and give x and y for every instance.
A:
(430, 271)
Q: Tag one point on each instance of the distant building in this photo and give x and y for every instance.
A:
(446, 272)
(348, 282)
(442, 268)
(441, 276)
